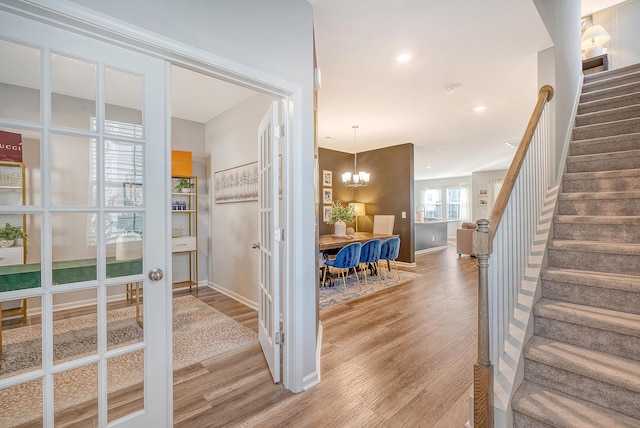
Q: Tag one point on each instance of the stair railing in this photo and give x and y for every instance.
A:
(508, 236)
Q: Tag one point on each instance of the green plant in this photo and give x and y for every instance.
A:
(9, 232)
(184, 183)
(341, 212)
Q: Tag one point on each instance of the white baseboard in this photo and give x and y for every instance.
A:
(429, 250)
(76, 304)
(313, 379)
(237, 297)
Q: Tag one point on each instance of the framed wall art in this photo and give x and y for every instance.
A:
(327, 178)
(237, 184)
(327, 195)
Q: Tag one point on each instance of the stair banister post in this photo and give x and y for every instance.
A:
(483, 369)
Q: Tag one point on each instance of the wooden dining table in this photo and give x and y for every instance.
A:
(332, 242)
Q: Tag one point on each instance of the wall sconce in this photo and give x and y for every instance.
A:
(592, 40)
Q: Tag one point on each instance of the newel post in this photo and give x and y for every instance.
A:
(483, 369)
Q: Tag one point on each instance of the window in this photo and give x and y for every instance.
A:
(453, 203)
(433, 203)
(454, 199)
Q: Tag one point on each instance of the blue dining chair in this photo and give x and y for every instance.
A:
(389, 251)
(347, 258)
(369, 255)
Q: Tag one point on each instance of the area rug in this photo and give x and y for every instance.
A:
(330, 296)
(199, 333)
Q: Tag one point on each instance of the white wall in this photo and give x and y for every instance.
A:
(622, 22)
(232, 140)
(562, 19)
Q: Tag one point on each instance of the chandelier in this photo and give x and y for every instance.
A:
(357, 179)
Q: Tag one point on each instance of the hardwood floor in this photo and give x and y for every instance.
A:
(400, 357)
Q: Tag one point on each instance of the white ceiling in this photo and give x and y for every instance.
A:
(393, 103)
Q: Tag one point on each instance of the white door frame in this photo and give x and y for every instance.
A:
(299, 250)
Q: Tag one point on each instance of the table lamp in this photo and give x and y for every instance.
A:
(358, 207)
(592, 40)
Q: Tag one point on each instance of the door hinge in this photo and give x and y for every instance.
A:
(279, 338)
(278, 131)
(279, 234)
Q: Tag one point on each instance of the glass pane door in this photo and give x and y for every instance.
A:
(81, 141)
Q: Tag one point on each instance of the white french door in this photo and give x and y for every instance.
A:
(270, 237)
(90, 116)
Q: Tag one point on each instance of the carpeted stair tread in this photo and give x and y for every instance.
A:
(609, 115)
(561, 410)
(572, 196)
(605, 144)
(603, 367)
(613, 72)
(598, 318)
(608, 103)
(613, 81)
(600, 219)
(627, 159)
(595, 247)
(612, 281)
(607, 129)
(613, 91)
(590, 175)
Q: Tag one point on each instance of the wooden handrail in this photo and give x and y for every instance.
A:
(544, 95)
(483, 416)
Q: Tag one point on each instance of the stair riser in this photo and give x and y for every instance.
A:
(603, 394)
(594, 262)
(628, 112)
(606, 129)
(597, 77)
(621, 233)
(520, 420)
(613, 82)
(609, 103)
(598, 207)
(621, 345)
(603, 164)
(626, 301)
(616, 91)
(608, 145)
(613, 184)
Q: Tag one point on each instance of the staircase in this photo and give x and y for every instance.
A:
(582, 366)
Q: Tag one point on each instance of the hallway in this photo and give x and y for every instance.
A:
(400, 357)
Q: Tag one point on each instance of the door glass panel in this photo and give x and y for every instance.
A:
(20, 262)
(124, 172)
(124, 320)
(75, 331)
(125, 386)
(22, 405)
(76, 396)
(123, 103)
(123, 235)
(20, 145)
(21, 339)
(73, 92)
(19, 82)
(74, 240)
(72, 165)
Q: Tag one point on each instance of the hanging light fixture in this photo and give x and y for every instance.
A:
(357, 179)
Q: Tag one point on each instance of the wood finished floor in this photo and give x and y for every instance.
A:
(400, 357)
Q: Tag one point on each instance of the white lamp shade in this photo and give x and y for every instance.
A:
(595, 35)
(358, 208)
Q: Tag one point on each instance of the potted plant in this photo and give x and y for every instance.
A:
(340, 214)
(8, 235)
(185, 185)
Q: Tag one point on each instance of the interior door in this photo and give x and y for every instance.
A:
(91, 118)
(270, 236)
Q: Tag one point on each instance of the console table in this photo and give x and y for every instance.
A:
(595, 64)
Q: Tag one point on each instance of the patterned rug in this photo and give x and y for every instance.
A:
(199, 333)
(335, 295)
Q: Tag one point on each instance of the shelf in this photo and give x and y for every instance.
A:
(184, 211)
(185, 247)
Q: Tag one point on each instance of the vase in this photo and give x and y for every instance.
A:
(6, 243)
(185, 190)
(339, 228)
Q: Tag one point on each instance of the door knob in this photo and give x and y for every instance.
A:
(156, 274)
(255, 245)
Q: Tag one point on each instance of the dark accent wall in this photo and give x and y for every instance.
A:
(390, 190)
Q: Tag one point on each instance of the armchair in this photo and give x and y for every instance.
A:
(464, 239)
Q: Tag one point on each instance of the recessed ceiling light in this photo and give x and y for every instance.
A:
(428, 167)
(451, 89)
(479, 108)
(404, 57)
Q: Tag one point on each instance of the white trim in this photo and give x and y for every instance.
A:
(429, 250)
(235, 296)
(569, 135)
(313, 379)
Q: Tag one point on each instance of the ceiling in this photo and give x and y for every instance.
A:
(394, 103)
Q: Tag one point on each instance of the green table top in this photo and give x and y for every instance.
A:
(21, 277)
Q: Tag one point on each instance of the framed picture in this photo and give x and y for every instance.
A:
(483, 202)
(327, 195)
(237, 184)
(326, 213)
(483, 191)
(327, 178)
